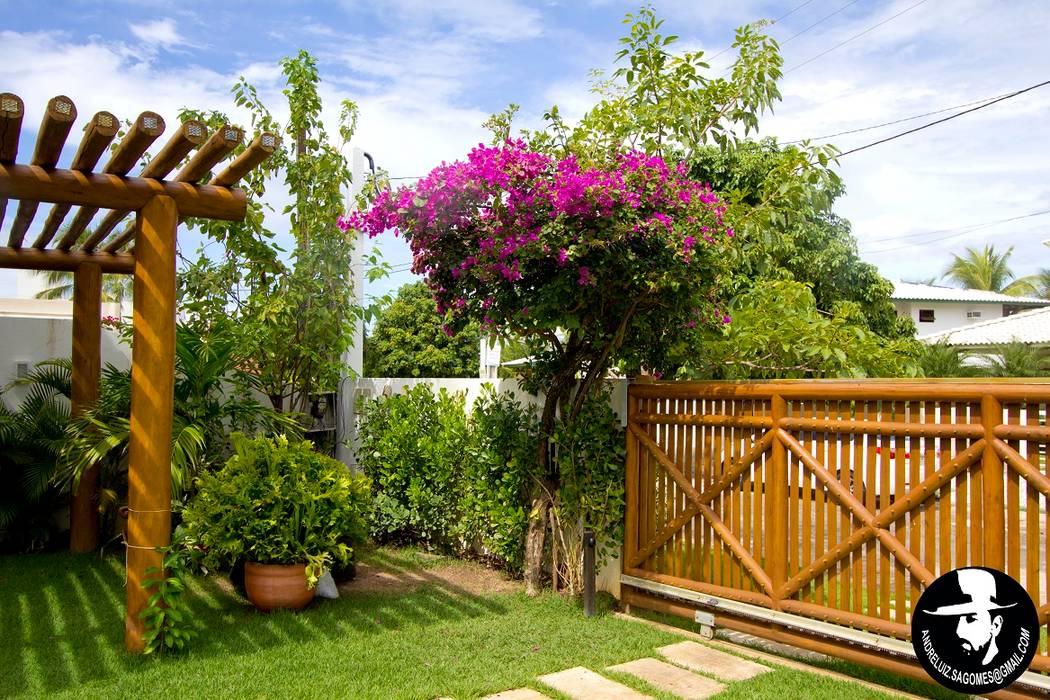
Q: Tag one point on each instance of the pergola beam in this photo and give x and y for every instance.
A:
(142, 133)
(112, 192)
(11, 112)
(66, 261)
(191, 133)
(97, 137)
(86, 375)
(54, 129)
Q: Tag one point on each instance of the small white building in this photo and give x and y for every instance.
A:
(34, 330)
(935, 308)
(1029, 327)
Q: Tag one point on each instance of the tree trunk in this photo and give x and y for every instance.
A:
(546, 485)
(534, 540)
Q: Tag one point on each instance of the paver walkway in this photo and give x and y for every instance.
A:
(671, 679)
(584, 684)
(719, 664)
(517, 694)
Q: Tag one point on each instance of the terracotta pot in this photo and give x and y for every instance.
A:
(276, 586)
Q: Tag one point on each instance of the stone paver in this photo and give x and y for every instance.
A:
(517, 694)
(719, 664)
(671, 679)
(584, 684)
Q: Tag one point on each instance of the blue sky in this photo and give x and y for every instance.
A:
(427, 73)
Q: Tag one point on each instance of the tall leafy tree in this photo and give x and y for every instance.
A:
(815, 247)
(294, 315)
(987, 269)
(407, 340)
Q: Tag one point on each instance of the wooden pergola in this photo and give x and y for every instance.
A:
(146, 249)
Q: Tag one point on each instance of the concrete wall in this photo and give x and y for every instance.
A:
(947, 315)
(33, 330)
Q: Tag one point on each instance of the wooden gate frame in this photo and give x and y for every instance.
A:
(988, 454)
(145, 249)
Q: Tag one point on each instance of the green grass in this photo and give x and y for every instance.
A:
(61, 620)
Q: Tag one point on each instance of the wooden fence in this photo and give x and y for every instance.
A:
(836, 501)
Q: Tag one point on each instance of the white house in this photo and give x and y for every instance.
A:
(935, 309)
(33, 330)
(1030, 327)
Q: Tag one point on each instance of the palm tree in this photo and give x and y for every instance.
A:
(116, 289)
(213, 396)
(988, 270)
(31, 439)
(943, 360)
(1017, 360)
(1040, 282)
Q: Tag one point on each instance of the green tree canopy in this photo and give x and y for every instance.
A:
(815, 247)
(293, 314)
(407, 340)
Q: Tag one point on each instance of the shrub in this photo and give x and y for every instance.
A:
(278, 502)
(414, 447)
(590, 457)
(442, 481)
(495, 512)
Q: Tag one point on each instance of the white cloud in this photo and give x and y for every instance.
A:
(494, 20)
(163, 32)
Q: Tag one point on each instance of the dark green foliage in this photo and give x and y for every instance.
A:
(590, 455)
(473, 495)
(415, 447)
(1018, 360)
(811, 245)
(1011, 360)
(498, 478)
(942, 360)
(213, 395)
(407, 340)
(30, 441)
(278, 501)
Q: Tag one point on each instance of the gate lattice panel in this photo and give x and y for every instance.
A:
(838, 501)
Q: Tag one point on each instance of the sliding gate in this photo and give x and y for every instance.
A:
(815, 512)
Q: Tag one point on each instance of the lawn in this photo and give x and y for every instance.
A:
(61, 617)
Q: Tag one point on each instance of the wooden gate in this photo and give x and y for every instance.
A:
(836, 501)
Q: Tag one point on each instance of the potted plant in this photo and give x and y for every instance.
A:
(285, 509)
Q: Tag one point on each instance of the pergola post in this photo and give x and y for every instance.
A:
(87, 366)
(152, 386)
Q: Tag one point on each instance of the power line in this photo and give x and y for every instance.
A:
(818, 22)
(955, 233)
(855, 36)
(946, 119)
(783, 16)
(982, 224)
(895, 121)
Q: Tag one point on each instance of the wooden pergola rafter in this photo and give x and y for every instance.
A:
(144, 248)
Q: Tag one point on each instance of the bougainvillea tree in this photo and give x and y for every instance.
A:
(595, 265)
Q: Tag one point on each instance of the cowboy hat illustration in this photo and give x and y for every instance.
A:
(979, 586)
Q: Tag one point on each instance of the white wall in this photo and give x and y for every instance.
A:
(947, 314)
(32, 339)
